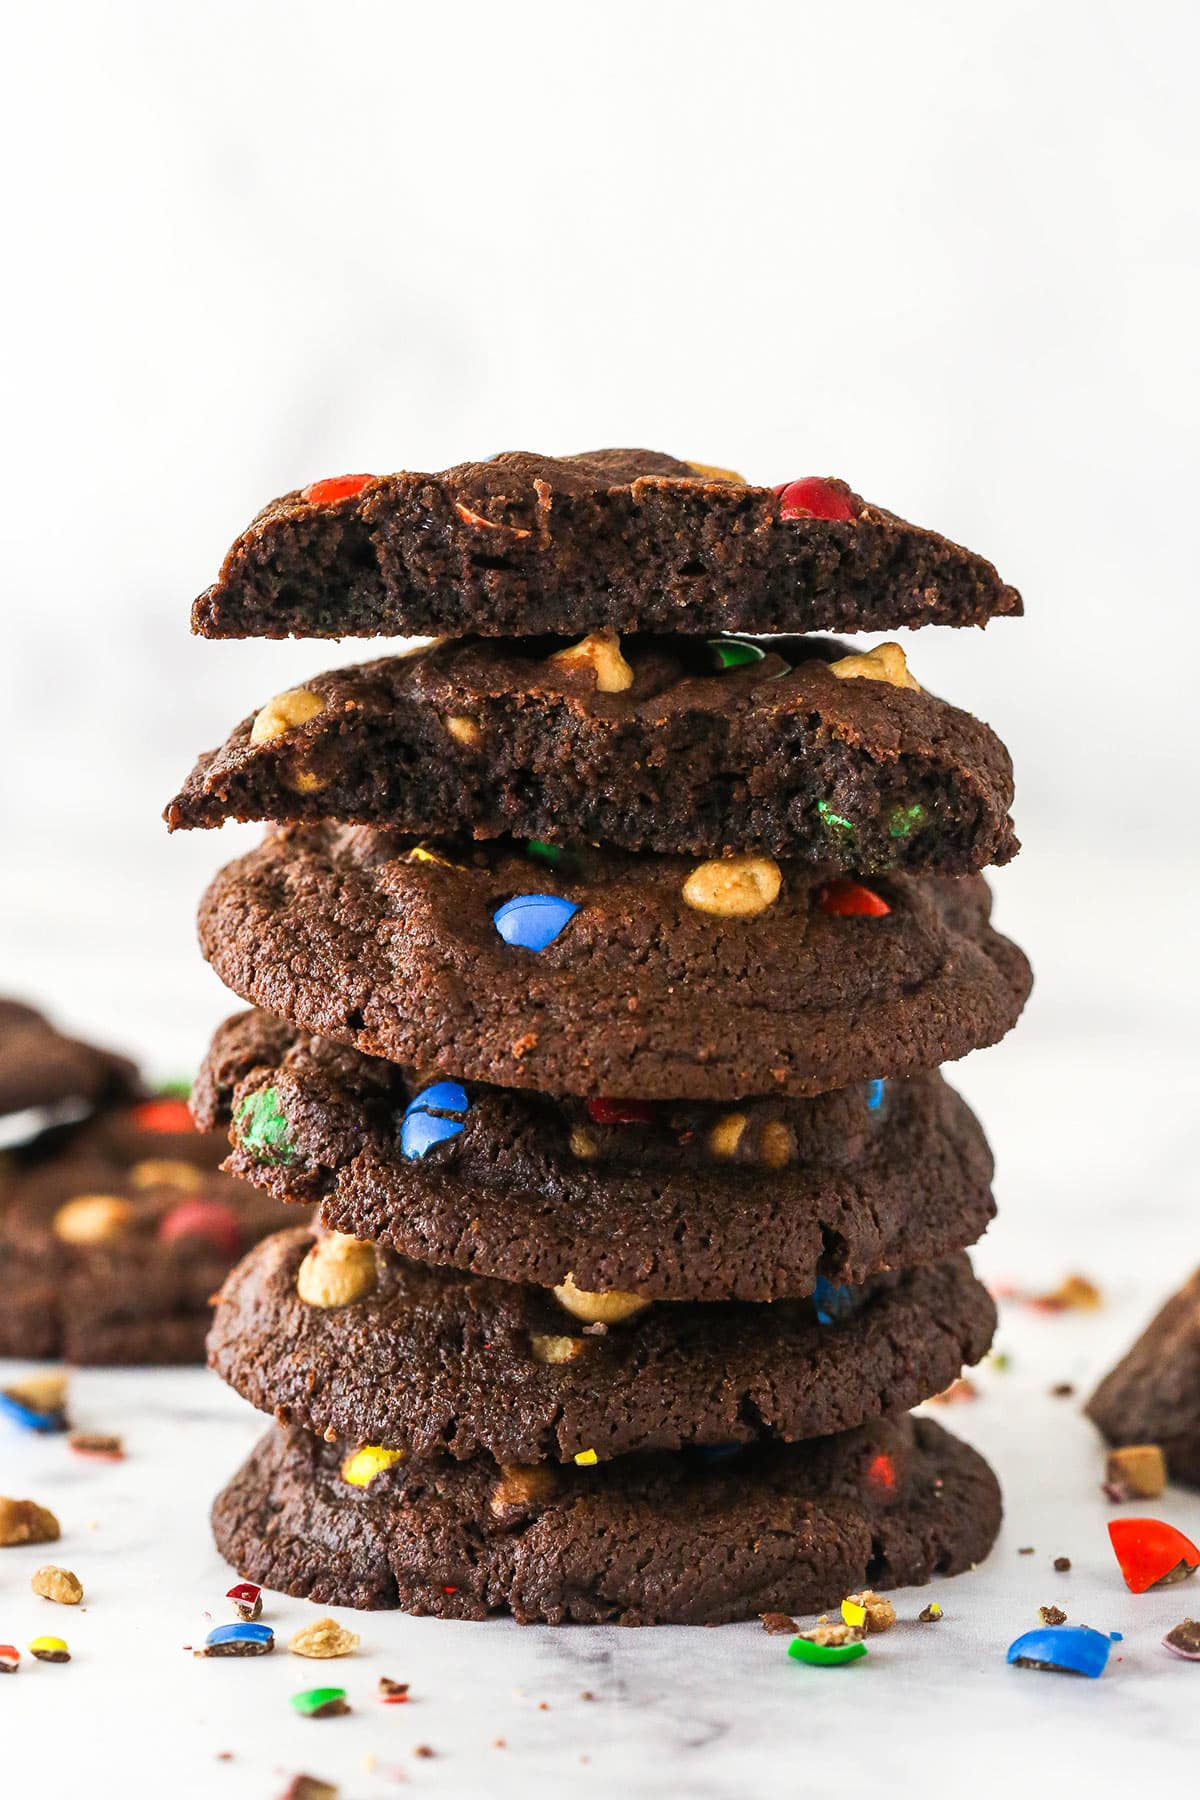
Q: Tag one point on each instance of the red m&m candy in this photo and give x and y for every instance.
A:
(843, 899)
(1152, 1553)
(620, 1112)
(211, 1220)
(163, 1115)
(334, 487)
(813, 497)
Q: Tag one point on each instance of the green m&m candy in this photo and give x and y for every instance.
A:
(826, 1656)
(320, 1703)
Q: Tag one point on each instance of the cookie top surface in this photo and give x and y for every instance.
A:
(673, 1539)
(799, 748)
(436, 1360)
(677, 1201)
(639, 988)
(43, 1071)
(111, 1243)
(621, 539)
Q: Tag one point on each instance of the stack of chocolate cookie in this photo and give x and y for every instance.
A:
(603, 962)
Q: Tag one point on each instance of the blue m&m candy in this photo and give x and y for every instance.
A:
(1064, 1649)
(435, 1114)
(875, 1094)
(832, 1303)
(242, 1639)
(531, 921)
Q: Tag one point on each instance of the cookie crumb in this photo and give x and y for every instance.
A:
(1025, 1550)
(1184, 1640)
(929, 1615)
(774, 1623)
(1139, 1471)
(424, 1750)
(1052, 1615)
(1062, 1390)
(105, 1446)
(868, 1611)
(1062, 1564)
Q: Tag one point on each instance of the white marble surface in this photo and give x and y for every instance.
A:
(706, 1713)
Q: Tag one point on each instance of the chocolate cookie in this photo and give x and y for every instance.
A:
(105, 1261)
(630, 540)
(650, 977)
(434, 1359)
(794, 747)
(47, 1079)
(677, 1201)
(676, 1540)
(1153, 1394)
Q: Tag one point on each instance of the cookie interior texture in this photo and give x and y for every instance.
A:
(775, 754)
(624, 539)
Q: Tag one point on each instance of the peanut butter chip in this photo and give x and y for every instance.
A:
(284, 713)
(726, 1135)
(93, 1219)
(324, 1637)
(733, 886)
(600, 651)
(583, 1144)
(303, 780)
(776, 1145)
(167, 1172)
(550, 1349)
(886, 662)
(462, 730)
(338, 1270)
(608, 1308)
(60, 1585)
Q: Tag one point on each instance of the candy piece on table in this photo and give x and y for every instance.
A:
(814, 497)
(10, 1659)
(1062, 1649)
(533, 921)
(36, 1404)
(362, 1466)
(826, 1656)
(393, 1693)
(245, 1638)
(323, 1639)
(868, 1611)
(49, 1649)
(101, 1446)
(333, 488)
(320, 1703)
(1152, 1553)
(247, 1600)
(210, 1220)
(62, 1586)
(931, 1614)
(25, 1522)
(1184, 1640)
(1138, 1471)
(843, 899)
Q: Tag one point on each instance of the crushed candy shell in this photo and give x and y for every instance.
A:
(533, 921)
(1152, 1553)
(247, 1600)
(320, 1703)
(393, 1693)
(586, 1458)
(1062, 1649)
(620, 1112)
(246, 1638)
(827, 1656)
(362, 1466)
(34, 1406)
(49, 1649)
(733, 653)
(334, 487)
(1182, 1640)
(845, 899)
(10, 1659)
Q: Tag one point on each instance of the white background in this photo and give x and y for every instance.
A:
(946, 251)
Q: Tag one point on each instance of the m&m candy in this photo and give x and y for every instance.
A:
(247, 1599)
(210, 1220)
(49, 1649)
(533, 921)
(1152, 1553)
(875, 1093)
(620, 1112)
(813, 497)
(334, 487)
(246, 1638)
(10, 1659)
(826, 1656)
(1062, 1649)
(843, 899)
(165, 1114)
(431, 1117)
(320, 1703)
(362, 1466)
